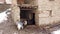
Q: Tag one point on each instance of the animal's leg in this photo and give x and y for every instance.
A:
(22, 27)
(19, 28)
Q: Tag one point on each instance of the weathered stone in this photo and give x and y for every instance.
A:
(15, 11)
(44, 14)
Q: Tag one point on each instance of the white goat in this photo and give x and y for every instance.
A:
(4, 15)
(56, 32)
(19, 25)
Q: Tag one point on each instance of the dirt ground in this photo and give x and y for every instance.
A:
(8, 27)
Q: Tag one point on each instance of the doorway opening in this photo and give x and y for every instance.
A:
(28, 15)
(31, 20)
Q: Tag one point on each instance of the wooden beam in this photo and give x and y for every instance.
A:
(26, 9)
(28, 6)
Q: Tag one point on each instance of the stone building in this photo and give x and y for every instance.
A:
(38, 12)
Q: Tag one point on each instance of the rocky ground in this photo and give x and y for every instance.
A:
(8, 27)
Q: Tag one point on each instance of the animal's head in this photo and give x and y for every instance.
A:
(8, 11)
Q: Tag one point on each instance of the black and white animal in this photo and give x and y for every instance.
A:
(20, 25)
(4, 15)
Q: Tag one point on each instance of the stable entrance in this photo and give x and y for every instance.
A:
(27, 12)
(28, 15)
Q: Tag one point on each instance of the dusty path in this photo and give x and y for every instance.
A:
(8, 27)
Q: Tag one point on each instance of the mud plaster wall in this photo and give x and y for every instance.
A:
(44, 7)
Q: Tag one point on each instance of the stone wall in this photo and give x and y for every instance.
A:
(33, 2)
(15, 11)
(45, 16)
(20, 1)
(48, 12)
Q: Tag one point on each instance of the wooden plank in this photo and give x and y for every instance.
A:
(28, 6)
(25, 9)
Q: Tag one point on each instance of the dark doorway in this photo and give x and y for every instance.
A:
(33, 19)
(24, 15)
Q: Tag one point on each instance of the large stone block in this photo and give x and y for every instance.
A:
(55, 19)
(56, 13)
(49, 20)
(44, 21)
(16, 14)
(44, 14)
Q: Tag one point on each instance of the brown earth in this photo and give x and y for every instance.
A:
(8, 27)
